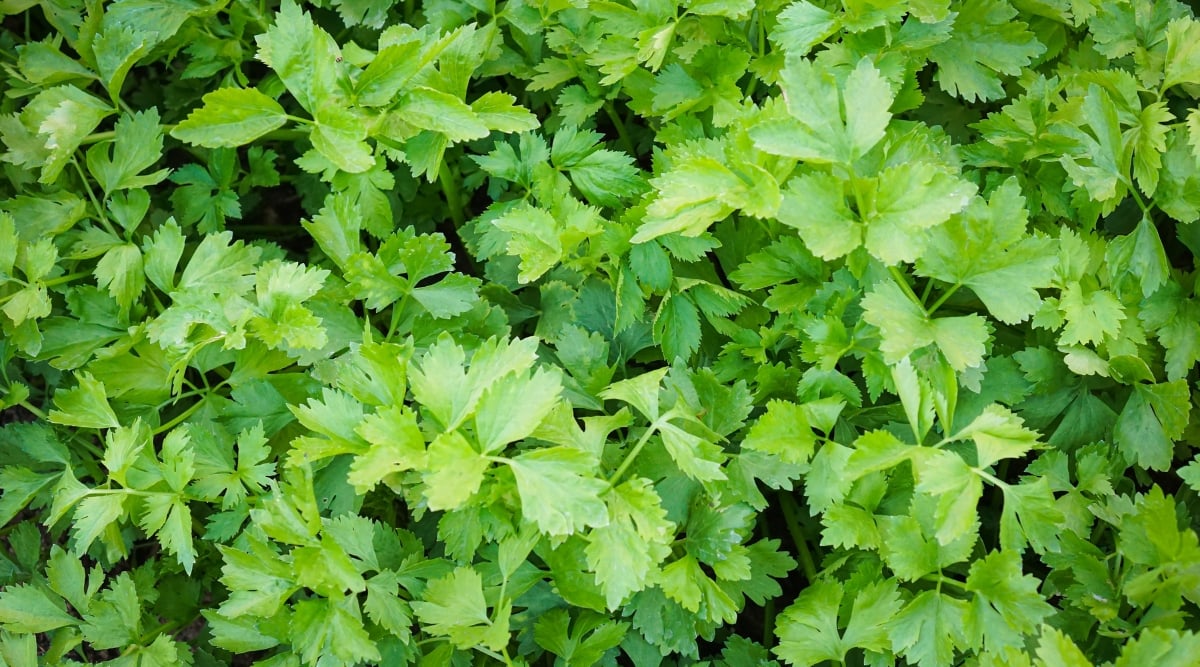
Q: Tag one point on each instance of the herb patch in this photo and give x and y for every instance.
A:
(596, 332)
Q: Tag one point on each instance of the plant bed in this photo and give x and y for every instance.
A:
(573, 333)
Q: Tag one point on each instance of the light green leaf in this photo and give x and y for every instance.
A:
(454, 607)
(64, 116)
(802, 26)
(998, 434)
(137, 146)
(26, 608)
(626, 551)
(986, 248)
(815, 205)
(808, 629)
(559, 490)
(512, 407)
(1154, 416)
(906, 328)
(957, 488)
(338, 135)
(230, 117)
(985, 43)
(396, 446)
(304, 56)
(677, 327)
(1183, 53)
(783, 430)
(1007, 603)
(818, 134)
(436, 111)
(1056, 649)
(455, 472)
(85, 405)
(930, 629)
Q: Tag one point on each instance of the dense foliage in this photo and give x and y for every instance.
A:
(574, 332)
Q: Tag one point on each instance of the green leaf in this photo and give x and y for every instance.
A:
(303, 55)
(998, 434)
(331, 627)
(985, 248)
(499, 112)
(1183, 53)
(85, 405)
(454, 607)
(1056, 649)
(512, 407)
(93, 515)
(930, 628)
(559, 490)
(230, 117)
(642, 392)
(802, 26)
(64, 115)
(1099, 164)
(625, 552)
(455, 472)
(25, 608)
(1153, 418)
(808, 629)
(1091, 315)
(957, 490)
(122, 273)
(691, 196)
(326, 569)
(677, 327)
(1141, 256)
(436, 111)
(985, 42)
(783, 430)
(396, 446)
(338, 135)
(906, 328)
(137, 146)
(534, 237)
(1007, 604)
(832, 121)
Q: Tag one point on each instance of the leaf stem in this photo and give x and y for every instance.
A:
(791, 513)
(619, 126)
(53, 282)
(92, 196)
(942, 299)
(633, 454)
(940, 579)
(900, 279)
(183, 416)
(37, 412)
(449, 182)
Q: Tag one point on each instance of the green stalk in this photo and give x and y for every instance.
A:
(619, 126)
(942, 299)
(633, 454)
(179, 419)
(100, 213)
(900, 280)
(791, 513)
(450, 188)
